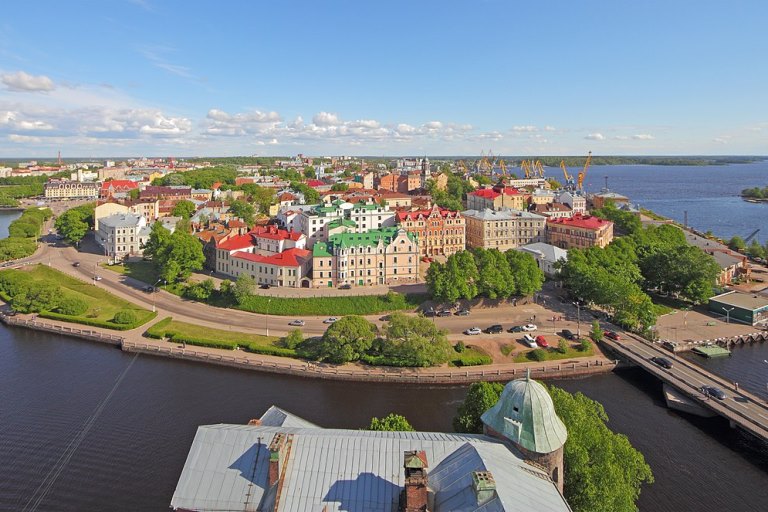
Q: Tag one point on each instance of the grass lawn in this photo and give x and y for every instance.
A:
(508, 348)
(336, 306)
(169, 325)
(554, 355)
(102, 305)
(143, 271)
(470, 356)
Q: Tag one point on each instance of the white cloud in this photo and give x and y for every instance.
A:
(155, 55)
(433, 125)
(721, 140)
(166, 126)
(643, 136)
(23, 82)
(24, 139)
(523, 129)
(325, 119)
(549, 128)
(621, 137)
(595, 136)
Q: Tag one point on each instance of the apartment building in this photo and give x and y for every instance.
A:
(503, 229)
(122, 235)
(69, 189)
(497, 197)
(440, 232)
(579, 232)
(362, 216)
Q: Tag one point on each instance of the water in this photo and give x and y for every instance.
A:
(133, 452)
(710, 194)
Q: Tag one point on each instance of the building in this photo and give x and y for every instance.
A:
(552, 210)
(290, 268)
(503, 229)
(579, 232)
(600, 199)
(378, 256)
(745, 308)
(395, 200)
(117, 188)
(498, 197)
(277, 264)
(546, 256)
(68, 189)
(361, 216)
(575, 200)
(122, 235)
(283, 462)
(733, 265)
(172, 192)
(441, 232)
(270, 239)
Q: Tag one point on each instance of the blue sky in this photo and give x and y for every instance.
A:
(184, 78)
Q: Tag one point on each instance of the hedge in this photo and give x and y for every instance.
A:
(202, 342)
(336, 306)
(269, 350)
(157, 331)
(471, 357)
(97, 323)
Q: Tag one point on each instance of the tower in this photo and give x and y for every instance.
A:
(525, 415)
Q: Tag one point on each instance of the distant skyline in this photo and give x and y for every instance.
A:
(182, 78)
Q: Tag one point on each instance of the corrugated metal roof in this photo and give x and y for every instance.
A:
(345, 470)
(277, 417)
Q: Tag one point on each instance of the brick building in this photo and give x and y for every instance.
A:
(579, 232)
(441, 232)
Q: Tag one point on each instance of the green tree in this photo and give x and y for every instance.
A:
(537, 354)
(73, 225)
(125, 317)
(309, 172)
(414, 341)
(184, 209)
(346, 340)
(495, 279)
(454, 279)
(182, 255)
(200, 291)
(159, 238)
(562, 346)
(481, 396)
(755, 250)
(340, 187)
(597, 333)
(311, 196)
(73, 306)
(36, 297)
(390, 423)
(529, 278)
(243, 288)
(293, 339)
(737, 244)
(243, 210)
(133, 194)
(556, 185)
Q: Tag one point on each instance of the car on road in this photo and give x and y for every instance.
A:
(515, 328)
(495, 329)
(542, 341)
(149, 289)
(296, 323)
(445, 312)
(462, 312)
(345, 286)
(330, 320)
(97, 278)
(568, 334)
(430, 312)
(76, 264)
(265, 286)
(473, 331)
(529, 340)
(713, 392)
(612, 335)
(530, 327)
(662, 361)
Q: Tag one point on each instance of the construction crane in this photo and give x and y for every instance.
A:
(750, 237)
(526, 168)
(569, 182)
(503, 167)
(583, 172)
(462, 167)
(538, 168)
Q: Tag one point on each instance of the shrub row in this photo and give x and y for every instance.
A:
(98, 323)
(201, 342)
(471, 357)
(268, 350)
(338, 306)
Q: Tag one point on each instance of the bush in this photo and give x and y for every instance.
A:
(268, 350)
(97, 323)
(585, 345)
(125, 317)
(562, 346)
(202, 342)
(73, 306)
(472, 357)
(537, 355)
(459, 347)
(293, 340)
(336, 306)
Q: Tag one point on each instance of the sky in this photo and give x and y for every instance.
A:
(95, 78)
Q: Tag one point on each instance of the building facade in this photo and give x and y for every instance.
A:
(579, 232)
(290, 268)
(503, 229)
(122, 235)
(440, 232)
(496, 198)
(379, 256)
(68, 189)
(358, 217)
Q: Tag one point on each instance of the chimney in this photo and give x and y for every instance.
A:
(254, 422)
(276, 457)
(414, 498)
(484, 486)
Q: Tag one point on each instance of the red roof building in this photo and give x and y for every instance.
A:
(579, 232)
(439, 231)
(497, 197)
(116, 187)
(290, 268)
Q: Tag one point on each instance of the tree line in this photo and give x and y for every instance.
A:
(23, 233)
(755, 193)
(484, 273)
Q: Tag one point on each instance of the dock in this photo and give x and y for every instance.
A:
(711, 351)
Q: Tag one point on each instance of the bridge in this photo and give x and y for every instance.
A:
(741, 408)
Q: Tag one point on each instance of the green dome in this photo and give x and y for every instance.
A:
(526, 416)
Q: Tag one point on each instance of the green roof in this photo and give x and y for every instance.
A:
(370, 238)
(342, 222)
(526, 416)
(320, 250)
(367, 206)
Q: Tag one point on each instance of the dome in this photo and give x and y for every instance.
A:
(526, 416)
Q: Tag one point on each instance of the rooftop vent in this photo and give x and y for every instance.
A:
(484, 486)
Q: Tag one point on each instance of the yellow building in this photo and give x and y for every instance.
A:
(579, 232)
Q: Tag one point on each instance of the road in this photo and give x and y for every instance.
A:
(740, 406)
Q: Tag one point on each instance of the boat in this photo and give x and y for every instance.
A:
(711, 350)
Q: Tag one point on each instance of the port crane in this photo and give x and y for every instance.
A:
(751, 236)
(570, 183)
(583, 172)
(538, 168)
(526, 168)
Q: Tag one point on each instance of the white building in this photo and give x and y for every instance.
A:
(546, 256)
(67, 189)
(357, 218)
(122, 235)
(575, 200)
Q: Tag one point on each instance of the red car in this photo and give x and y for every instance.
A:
(612, 335)
(542, 341)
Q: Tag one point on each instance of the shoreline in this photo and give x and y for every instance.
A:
(269, 364)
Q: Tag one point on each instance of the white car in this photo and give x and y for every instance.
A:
(530, 327)
(297, 323)
(98, 278)
(330, 320)
(473, 331)
(529, 340)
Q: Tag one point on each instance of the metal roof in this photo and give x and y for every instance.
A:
(277, 417)
(749, 301)
(344, 470)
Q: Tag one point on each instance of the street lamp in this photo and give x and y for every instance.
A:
(266, 318)
(154, 292)
(728, 314)
(578, 317)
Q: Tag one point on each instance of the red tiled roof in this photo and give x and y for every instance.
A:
(216, 185)
(315, 183)
(486, 193)
(581, 221)
(287, 196)
(414, 215)
(289, 258)
(272, 232)
(236, 242)
(119, 184)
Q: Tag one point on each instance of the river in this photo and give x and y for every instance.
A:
(69, 442)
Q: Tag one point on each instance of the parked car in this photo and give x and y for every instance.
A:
(265, 286)
(567, 334)
(662, 361)
(530, 327)
(330, 320)
(473, 331)
(612, 335)
(542, 341)
(713, 392)
(462, 312)
(495, 329)
(296, 323)
(76, 264)
(529, 340)
(445, 312)
(345, 286)
(515, 328)
(430, 312)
